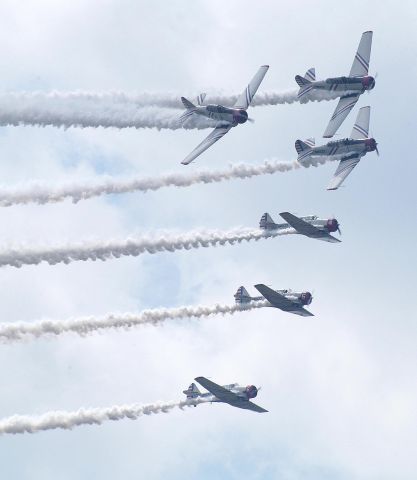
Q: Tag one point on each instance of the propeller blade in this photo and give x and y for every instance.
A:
(251, 120)
(340, 231)
(377, 151)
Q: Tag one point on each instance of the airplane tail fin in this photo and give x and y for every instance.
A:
(192, 391)
(304, 149)
(310, 75)
(200, 99)
(242, 296)
(190, 108)
(266, 222)
(305, 83)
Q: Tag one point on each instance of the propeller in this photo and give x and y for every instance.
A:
(251, 120)
(376, 149)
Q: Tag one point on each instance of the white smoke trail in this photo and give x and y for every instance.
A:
(85, 416)
(120, 110)
(64, 100)
(41, 193)
(85, 325)
(132, 246)
(45, 111)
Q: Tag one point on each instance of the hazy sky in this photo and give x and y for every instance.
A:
(340, 387)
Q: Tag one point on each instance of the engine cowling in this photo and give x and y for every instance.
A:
(240, 116)
(306, 298)
(368, 82)
(251, 391)
(332, 225)
(370, 144)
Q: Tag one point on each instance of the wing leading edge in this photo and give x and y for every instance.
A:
(305, 228)
(227, 396)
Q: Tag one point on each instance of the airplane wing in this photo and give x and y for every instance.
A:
(305, 228)
(215, 135)
(246, 97)
(248, 405)
(360, 130)
(360, 64)
(343, 170)
(227, 396)
(281, 302)
(343, 108)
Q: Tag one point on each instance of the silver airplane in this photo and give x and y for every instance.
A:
(285, 300)
(351, 87)
(233, 394)
(226, 117)
(348, 150)
(310, 226)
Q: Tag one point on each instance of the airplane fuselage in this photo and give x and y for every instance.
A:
(228, 115)
(299, 298)
(344, 148)
(345, 84)
(245, 393)
(329, 226)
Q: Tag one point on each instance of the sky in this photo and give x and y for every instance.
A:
(341, 386)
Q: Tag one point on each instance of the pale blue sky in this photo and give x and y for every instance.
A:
(340, 387)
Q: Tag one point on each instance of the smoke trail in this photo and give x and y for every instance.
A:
(120, 110)
(85, 416)
(44, 111)
(85, 325)
(41, 194)
(132, 246)
(61, 101)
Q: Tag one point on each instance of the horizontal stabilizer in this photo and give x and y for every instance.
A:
(304, 150)
(192, 391)
(187, 103)
(242, 296)
(302, 81)
(266, 222)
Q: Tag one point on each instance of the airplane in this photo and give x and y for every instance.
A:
(285, 300)
(349, 150)
(351, 87)
(233, 394)
(310, 226)
(226, 117)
